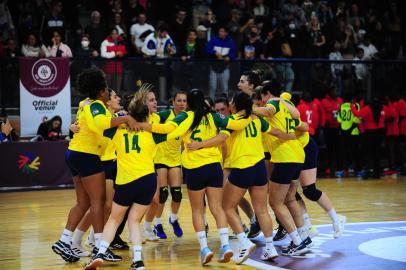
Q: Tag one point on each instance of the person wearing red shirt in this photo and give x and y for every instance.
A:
(330, 107)
(113, 47)
(373, 118)
(392, 133)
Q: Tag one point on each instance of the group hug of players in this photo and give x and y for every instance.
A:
(123, 161)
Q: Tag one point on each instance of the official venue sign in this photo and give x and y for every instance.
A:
(44, 92)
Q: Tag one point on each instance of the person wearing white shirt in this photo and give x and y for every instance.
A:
(369, 49)
(138, 29)
(33, 49)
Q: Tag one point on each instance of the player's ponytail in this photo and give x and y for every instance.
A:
(196, 103)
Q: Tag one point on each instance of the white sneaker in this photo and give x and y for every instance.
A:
(339, 226)
(79, 251)
(244, 252)
(313, 232)
(269, 253)
(149, 235)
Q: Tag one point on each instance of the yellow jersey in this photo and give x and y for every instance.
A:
(284, 151)
(110, 152)
(168, 152)
(208, 128)
(246, 145)
(302, 136)
(93, 118)
(135, 152)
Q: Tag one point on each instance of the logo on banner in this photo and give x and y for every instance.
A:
(44, 72)
(28, 162)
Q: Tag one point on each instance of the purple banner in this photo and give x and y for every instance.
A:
(32, 165)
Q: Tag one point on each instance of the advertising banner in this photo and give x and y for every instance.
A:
(44, 93)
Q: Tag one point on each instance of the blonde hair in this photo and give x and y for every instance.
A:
(137, 107)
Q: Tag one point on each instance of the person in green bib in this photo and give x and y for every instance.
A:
(349, 138)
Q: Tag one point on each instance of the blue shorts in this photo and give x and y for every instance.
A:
(83, 164)
(140, 191)
(284, 173)
(248, 177)
(210, 175)
(163, 166)
(311, 152)
(110, 169)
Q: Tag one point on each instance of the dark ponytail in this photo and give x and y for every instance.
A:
(196, 103)
(243, 101)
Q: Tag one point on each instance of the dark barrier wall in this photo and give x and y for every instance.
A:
(31, 165)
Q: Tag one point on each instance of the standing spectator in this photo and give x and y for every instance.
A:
(260, 12)
(159, 44)
(354, 14)
(95, 31)
(252, 46)
(137, 30)
(331, 105)
(50, 130)
(360, 69)
(118, 24)
(32, 48)
(393, 19)
(291, 10)
(201, 32)
(58, 48)
(337, 69)
(360, 32)
(209, 22)
(316, 38)
(113, 47)
(132, 11)
(6, 21)
(222, 48)
(192, 48)
(179, 27)
(350, 39)
(236, 29)
(54, 21)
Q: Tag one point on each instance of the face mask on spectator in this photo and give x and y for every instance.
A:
(292, 26)
(85, 44)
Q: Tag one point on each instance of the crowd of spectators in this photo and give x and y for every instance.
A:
(254, 29)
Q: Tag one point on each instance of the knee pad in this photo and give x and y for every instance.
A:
(298, 197)
(176, 193)
(312, 193)
(163, 194)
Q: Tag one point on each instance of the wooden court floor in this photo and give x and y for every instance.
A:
(31, 221)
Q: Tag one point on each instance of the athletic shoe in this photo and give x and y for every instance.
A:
(79, 251)
(269, 253)
(177, 230)
(159, 231)
(360, 174)
(312, 232)
(308, 242)
(206, 255)
(339, 226)
(245, 251)
(149, 235)
(293, 250)
(339, 174)
(64, 250)
(280, 234)
(255, 230)
(97, 261)
(95, 250)
(118, 243)
(138, 265)
(111, 257)
(225, 254)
